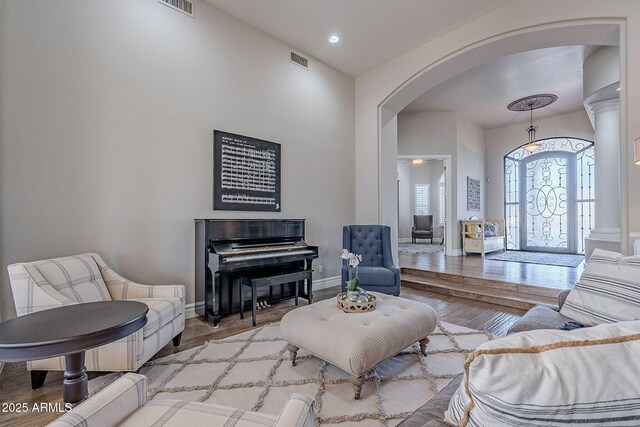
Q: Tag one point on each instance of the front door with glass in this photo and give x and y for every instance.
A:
(549, 196)
(548, 185)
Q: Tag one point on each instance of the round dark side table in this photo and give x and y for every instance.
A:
(69, 331)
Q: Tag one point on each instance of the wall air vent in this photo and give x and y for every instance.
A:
(183, 6)
(300, 60)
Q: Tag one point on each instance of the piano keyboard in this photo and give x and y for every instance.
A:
(270, 254)
(263, 249)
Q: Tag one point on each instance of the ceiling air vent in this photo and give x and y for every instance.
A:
(300, 60)
(183, 6)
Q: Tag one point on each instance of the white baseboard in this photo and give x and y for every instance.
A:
(190, 311)
(404, 240)
(327, 282)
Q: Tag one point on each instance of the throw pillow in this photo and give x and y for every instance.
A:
(489, 229)
(474, 228)
(552, 378)
(608, 290)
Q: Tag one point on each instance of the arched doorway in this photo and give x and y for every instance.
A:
(549, 196)
(376, 136)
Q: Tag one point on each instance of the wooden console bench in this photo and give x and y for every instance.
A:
(475, 238)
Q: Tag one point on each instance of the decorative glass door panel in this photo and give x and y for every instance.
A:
(548, 211)
(512, 203)
(548, 196)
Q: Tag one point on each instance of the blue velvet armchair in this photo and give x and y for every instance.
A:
(376, 270)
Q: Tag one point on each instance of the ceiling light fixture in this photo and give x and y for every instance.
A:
(531, 103)
(333, 39)
(618, 89)
(532, 145)
(417, 161)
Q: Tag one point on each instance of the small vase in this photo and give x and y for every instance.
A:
(353, 273)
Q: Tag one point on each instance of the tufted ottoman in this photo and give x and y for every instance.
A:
(357, 342)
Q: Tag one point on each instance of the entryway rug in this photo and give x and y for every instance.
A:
(417, 248)
(252, 371)
(562, 260)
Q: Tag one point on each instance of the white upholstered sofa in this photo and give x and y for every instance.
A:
(46, 284)
(124, 403)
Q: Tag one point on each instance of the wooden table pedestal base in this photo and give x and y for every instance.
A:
(75, 381)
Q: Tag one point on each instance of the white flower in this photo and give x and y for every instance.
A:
(354, 261)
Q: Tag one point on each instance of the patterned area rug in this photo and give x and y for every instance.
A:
(417, 248)
(562, 260)
(252, 371)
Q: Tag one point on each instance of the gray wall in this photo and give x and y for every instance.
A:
(432, 133)
(106, 116)
(470, 163)
(448, 133)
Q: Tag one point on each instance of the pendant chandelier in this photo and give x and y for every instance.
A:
(532, 145)
(531, 103)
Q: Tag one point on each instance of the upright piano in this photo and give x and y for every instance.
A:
(227, 249)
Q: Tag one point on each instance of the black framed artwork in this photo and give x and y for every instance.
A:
(473, 194)
(246, 173)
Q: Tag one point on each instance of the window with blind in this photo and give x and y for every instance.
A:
(422, 199)
(441, 208)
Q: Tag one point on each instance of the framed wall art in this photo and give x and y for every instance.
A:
(246, 173)
(473, 194)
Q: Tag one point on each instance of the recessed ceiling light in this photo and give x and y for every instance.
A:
(334, 39)
(618, 89)
(417, 161)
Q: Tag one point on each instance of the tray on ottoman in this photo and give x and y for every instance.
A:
(358, 342)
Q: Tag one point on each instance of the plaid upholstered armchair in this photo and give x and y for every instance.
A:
(124, 403)
(78, 279)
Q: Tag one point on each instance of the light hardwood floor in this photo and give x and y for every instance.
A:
(15, 385)
(547, 276)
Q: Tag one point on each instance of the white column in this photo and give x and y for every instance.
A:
(636, 243)
(606, 231)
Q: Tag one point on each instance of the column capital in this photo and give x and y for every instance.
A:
(605, 105)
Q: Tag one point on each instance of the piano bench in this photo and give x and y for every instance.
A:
(255, 282)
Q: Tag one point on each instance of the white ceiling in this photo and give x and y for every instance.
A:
(483, 93)
(371, 31)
